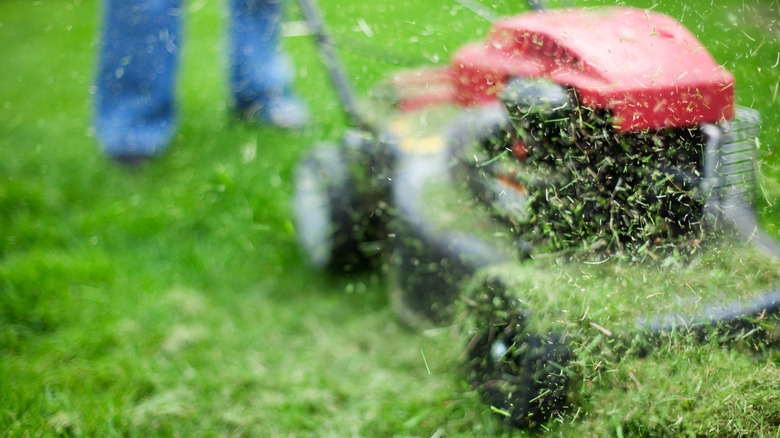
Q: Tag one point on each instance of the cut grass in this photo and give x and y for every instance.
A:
(171, 301)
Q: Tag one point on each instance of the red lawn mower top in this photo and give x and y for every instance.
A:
(647, 69)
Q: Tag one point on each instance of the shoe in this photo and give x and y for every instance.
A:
(128, 133)
(283, 110)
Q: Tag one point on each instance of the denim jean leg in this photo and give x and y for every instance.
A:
(136, 77)
(260, 70)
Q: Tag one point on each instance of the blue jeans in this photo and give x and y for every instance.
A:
(139, 56)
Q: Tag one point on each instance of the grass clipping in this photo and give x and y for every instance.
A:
(634, 194)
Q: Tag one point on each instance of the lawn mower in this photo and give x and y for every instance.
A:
(555, 192)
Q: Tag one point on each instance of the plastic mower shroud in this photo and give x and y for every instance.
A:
(645, 67)
(591, 133)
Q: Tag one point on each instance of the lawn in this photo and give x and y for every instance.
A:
(172, 300)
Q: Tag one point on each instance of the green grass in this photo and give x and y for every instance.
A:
(172, 300)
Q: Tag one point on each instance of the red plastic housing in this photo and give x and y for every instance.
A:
(647, 69)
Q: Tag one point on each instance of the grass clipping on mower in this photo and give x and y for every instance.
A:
(591, 187)
(611, 194)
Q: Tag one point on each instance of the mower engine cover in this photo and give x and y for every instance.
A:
(647, 69)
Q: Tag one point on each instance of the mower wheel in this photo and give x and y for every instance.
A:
(329, 217)
(520, 374)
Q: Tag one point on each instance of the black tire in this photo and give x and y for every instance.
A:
(330, 220)
(520, 374)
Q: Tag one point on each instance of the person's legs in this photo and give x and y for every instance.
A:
(261, 73)
(136, 77)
